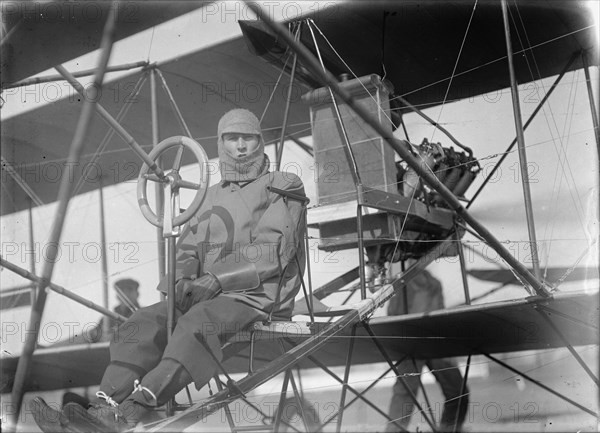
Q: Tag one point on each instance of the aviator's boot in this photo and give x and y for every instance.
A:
(156, 388)
(116, 385)
(49, 419)
(117, 382)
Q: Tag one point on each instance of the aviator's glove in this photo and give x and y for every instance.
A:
(190, 292)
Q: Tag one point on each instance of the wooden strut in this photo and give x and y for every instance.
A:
(288, 103)
(538, 383)
(61, 290)
(105, 323)
(360, 396)
(85, 73)
(353, 166)
(32, 247)
(593, 112)
(423, 390)
(64, 196)
(220, 386)
(21, 182)
(413, 397)
(569, 346)
(535, 261)
(296, 392)
(111, 131)
(527, 123)
(158, 189)
(131, 142)
(463, 389)
(346, 377)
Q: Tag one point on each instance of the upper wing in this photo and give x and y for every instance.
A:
(42, 35)
(204, 84)
(415, 45)
(422, 47)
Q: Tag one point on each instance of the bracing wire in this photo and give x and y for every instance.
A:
(560, 148)
(557, 175)
(311, 22)
(262, 116)
(261, 397)
(462, 44)
(561, 138)
(336, 53)
(566, 35)
(150, 45)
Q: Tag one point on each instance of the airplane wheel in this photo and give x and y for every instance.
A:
(174, 179)
(291, 415)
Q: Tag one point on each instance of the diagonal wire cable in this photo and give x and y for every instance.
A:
(289, 56)
(549, 41)
(561, 146)
(349, 68)
(454, 69)
(574, 82)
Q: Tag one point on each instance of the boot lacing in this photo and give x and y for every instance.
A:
(137, 386)
(110, 401)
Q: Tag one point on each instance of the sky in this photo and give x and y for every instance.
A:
(563, 167)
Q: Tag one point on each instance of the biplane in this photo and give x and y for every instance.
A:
(366, 96)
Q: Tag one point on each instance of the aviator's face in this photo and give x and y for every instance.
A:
(240, 145)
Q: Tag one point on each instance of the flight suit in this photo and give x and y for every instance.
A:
(251, 239)
(240, 259)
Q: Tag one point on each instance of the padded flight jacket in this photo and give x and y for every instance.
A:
(250, 239)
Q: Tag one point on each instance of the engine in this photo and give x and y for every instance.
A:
(456, 170)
